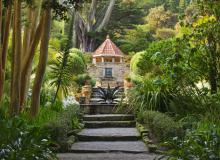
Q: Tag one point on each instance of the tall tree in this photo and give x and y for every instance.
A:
(37, 29)
(158, 17)
(1, 7)
(15, 95)
(4, 47)
(33, 38)
(35, 103)
(95, 21)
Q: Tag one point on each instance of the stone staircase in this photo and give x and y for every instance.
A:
(107, 133)
(107, 136)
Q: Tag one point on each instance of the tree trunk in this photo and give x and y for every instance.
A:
(15, 95)
(27, 63)
(12, 61)
(34, 34)
(213, 80)
(213, 75)
(4, 50)
(1, 76)
(91, 16)
(35, 103)
(93, 24)
(212, 64)
(108, 13)
(27, 30)
(1, 24)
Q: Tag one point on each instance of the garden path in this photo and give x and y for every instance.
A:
(108, 137)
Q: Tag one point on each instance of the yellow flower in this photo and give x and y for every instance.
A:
(203, 20)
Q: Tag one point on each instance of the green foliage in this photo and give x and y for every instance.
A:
(189, 101)
(158, 17)
(147, 95)
(137, 39)
(191, 13)
(202, 143)
(19, 140)
(63, 75)
(67, 121)
(82, 79)
(46, 114)
(75, 51)
(77, 64)
(165, 33)
(162, 126)
(60, 76)
(137, 66)
(156, 95)
(175, 63)
(124, 16)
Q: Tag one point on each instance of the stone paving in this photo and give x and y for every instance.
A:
(110, 132)
(105, 146)
(106, 156)
(108, 143)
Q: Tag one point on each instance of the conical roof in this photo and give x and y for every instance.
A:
(108, 48)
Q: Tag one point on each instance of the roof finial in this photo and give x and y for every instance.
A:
(107, 37)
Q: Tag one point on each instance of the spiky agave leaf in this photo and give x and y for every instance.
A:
(108, 95)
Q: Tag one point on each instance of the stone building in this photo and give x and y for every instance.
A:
(108, 66)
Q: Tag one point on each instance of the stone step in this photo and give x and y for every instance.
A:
(107, 156)
(109, 146)
(109, 134)
(98, 108)
(109, 117)
(110, 124)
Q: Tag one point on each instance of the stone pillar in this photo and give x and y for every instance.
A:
(113, 60)
(102, 59)
(121, 59)
(94, 60)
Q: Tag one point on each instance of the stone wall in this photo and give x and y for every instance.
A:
(119, 70)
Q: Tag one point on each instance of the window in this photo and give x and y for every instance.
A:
(108, 72)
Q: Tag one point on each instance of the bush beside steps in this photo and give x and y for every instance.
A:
(64, 129)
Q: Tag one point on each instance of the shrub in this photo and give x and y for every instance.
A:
(76, 51)
(148, 96)
(18, 140)
(202, 143)
(162, 126)
(66, 124)
(82, 79)
(192, 101)
(140, 65)
(165, 33)
(45, 115)
(77, 64)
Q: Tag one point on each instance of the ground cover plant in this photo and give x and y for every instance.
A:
(20, 140)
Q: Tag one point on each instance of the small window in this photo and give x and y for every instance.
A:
(108, 72)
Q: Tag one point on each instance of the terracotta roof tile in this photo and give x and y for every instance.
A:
(108, 48)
